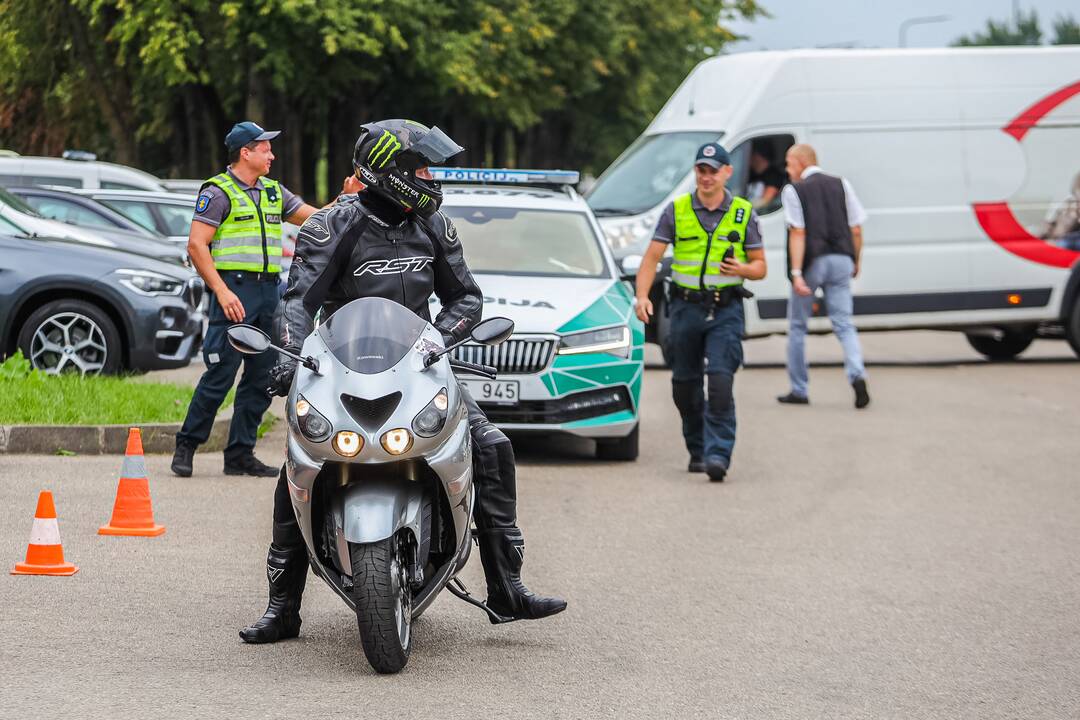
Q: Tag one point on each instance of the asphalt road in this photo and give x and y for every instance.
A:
(915, 560)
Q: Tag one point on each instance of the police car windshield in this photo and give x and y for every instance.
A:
(518, 241)
(646, 173)
(371, 335)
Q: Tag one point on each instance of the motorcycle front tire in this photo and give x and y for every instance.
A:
(383, 603)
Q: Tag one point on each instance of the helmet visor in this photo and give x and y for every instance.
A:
(436, 147)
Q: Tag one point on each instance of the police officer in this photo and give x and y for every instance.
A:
(717, 245)
(235, 244)
(352, 251)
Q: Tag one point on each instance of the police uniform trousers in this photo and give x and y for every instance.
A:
(259, 294)
(700, 348)
(494, 476)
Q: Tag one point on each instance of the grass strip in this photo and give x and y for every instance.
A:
(29, 397)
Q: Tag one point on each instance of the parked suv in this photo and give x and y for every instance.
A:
(74, 307)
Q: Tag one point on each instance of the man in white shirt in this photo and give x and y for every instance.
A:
(824, 219)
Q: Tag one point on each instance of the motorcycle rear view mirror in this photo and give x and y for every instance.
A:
(250, 340)
(493, 331)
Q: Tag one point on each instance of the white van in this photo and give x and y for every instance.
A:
(967, 161)
(19, 171)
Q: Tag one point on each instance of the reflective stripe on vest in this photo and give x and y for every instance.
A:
(249, 238)
(696, 264)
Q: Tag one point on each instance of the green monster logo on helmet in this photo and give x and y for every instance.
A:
(384, 150)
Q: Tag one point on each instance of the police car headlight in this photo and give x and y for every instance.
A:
(145, 282)
(429, 421)
(312, 424)
(615, 340)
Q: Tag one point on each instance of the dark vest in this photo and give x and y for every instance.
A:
(825, 216)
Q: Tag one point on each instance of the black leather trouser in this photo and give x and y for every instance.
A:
(494, 474)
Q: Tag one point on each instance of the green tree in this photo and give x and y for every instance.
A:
(1023, 31)
(1066, 31)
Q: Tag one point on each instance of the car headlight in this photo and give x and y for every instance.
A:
(429, 421)
(145, 282)
(397, 441)
(312, 424)
(614, 340)
(631, 233)
(347, 443)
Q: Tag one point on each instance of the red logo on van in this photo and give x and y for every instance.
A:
(997, 219)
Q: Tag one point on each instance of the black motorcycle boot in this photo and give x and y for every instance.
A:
(502, 552)
(286, 569)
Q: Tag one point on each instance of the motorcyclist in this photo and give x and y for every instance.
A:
(391, 241)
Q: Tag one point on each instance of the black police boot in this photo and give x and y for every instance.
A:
(248, 464)
(696, 465)
(286, 569)
(862, 396)
(716, 469)
(502, 552)
(182, 458)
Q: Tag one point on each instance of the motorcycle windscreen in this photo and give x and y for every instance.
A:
(371, 335)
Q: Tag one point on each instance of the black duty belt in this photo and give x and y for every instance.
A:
(714, 297)
(251, 276)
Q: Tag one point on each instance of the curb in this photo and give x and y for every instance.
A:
(103, 439)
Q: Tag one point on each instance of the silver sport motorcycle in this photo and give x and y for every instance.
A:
(379, 463)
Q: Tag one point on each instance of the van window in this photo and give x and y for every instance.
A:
(759, 170)
(134, 210)
(49, 180)
(113, 185)
(177, 218)
(69, 212)
(647, 173)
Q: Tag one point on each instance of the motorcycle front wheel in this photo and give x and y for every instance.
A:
(383, 603)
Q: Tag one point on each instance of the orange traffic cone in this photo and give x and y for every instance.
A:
(132, 513)
(45, 554)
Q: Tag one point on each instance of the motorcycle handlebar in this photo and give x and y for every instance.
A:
(486, 370)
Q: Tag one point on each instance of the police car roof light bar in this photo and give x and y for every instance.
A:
(505, 176)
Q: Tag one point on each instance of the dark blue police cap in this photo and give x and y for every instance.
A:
(712, 154)
(246, 132)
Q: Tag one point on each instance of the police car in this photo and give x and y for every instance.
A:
(575, 362)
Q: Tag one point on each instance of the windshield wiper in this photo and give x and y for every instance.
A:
(607, 212)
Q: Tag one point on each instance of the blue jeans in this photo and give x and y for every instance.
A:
(831, 273)
(699, 346)
(260, 300)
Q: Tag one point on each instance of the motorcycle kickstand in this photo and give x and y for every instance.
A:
(458, 589)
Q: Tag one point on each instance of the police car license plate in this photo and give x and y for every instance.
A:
(503, 392)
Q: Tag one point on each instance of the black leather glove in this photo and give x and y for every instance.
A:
(281, 377)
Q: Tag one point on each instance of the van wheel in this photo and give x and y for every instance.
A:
(625, 448)
(71, 336)
(1072, 327)
(1006, 345)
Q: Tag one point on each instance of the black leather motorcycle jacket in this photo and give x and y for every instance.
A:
(347, 251)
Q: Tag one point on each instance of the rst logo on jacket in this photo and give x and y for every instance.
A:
(395, 266)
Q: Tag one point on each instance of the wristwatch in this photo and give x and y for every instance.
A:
(796, 273)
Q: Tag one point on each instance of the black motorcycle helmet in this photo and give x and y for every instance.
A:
(389, 152)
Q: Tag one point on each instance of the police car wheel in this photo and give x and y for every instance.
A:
(1006, 344)
(623, 449)
(71, 336)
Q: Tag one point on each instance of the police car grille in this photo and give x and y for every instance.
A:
(515, 356)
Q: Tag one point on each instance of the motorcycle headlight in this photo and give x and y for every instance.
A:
(429, 421)
(347, 443)
(312, 424)
(145, 282)
(397, 441)
(614, 340)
